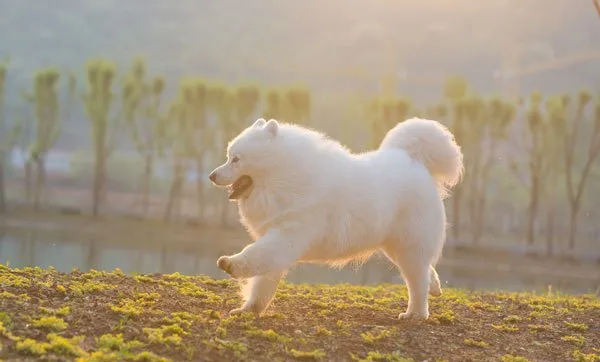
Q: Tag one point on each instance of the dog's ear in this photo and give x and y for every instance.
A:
(259, 123)
(272, 127)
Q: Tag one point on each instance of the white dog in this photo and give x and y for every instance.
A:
(309, 199)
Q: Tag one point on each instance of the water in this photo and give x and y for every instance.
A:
(35, 249)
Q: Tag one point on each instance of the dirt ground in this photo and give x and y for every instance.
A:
(99, 316)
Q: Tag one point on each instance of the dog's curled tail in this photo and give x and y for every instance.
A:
(432, 144)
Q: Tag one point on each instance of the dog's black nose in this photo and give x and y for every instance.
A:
(213, 176)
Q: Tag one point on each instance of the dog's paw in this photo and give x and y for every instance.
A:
(435, 292)
(245, 309)
(226, 264)
(235, 267)
(237, 311)
(414, 316)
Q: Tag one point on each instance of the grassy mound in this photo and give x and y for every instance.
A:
(99, 316)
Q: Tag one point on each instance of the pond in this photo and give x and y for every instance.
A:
(33, 248)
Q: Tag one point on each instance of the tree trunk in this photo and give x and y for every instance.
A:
(99, 177)
(573, 226)
(479, 219)
(28, 183)
(550, 230)
(532, 211)
(456, 198)
(200, 188)
(475, 204)
(472, 208)
(147, 183)
(39, 182)
(175, 189)
(2, 190)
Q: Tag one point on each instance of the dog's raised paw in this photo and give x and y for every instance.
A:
(225, 264)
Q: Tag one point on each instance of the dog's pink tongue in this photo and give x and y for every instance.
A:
(240, 188)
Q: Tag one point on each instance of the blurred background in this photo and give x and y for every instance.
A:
(113, 113)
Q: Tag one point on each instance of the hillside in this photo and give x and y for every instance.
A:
(279, 42)
(282, 42)
(98, 316)
(334, 46)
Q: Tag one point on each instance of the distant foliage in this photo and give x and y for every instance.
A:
(543, 148)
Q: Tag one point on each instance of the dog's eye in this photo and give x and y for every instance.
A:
(235, 159)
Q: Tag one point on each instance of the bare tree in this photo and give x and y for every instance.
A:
(98, 101)
(141, 105)
(569, 120)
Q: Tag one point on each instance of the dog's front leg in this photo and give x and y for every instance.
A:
(258, 292)
(275, 252)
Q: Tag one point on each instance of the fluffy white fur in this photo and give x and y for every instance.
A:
(315, 201)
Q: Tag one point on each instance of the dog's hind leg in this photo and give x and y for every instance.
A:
(416, 272)
(435, 288)
(258, 292)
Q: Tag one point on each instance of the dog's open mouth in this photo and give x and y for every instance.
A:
(241, 188)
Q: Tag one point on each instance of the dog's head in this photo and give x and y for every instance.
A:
(249, 156)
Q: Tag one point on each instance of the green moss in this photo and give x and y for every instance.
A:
(372, 337)
(314, 354)
(322, 331)
(63, 311)
(145, 279)
(237, 348)
(14, 280)
(79, 288)
(577, 340)
(141, 304)
(56, 345)
(31, 347)
(51, 323)
(581, 327)
(178, 320)
(101, 356)
(168, 334)
(512, 358)
(7, 295)
(342, 325)
(378, 356)
(579, 356)
(93, 273)
(6, 321)
(221, 332)
(116, 343)
(149, 357)
(504, 328)
(64, 346)
(5, 330)
(320, 304)
(538, 328)
(512, 319)
(268, 334)
(21, 298)
(445, 317)
(194, 290)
